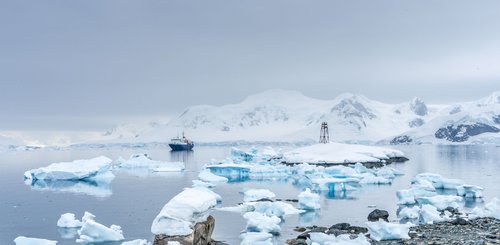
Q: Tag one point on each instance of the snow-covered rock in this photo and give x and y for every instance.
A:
(21, 240)
(309, 200)
(182, 212)
(75, 170)
(381, 230)
(257, 194)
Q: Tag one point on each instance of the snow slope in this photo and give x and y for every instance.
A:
(289, 116)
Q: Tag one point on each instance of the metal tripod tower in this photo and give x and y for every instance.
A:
(324, 137)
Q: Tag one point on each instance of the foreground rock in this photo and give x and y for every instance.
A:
(202, 235)
(457, 231)
(377, 214)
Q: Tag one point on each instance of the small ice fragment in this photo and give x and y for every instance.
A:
(22, 240)
(381, 230)
(309, 200)
(68, 220)
(257, 194)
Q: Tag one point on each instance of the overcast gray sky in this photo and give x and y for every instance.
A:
(87, 64)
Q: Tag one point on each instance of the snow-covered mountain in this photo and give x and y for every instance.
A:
(289, 116)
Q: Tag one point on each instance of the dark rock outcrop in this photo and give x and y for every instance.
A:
(462, 132)
(402, 139)
(202, 235)
(415, 123)
(418, 107)
(377, 214)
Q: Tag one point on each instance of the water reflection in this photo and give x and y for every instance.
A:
(68, 233)
(87, 187)
(309, 218)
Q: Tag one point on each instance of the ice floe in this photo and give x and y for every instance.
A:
(22, 240)
(75, 170)
(207, 176)
(145, 162)
(257, 194)
(94, 232)
(182, 212)
(309, 200)
(381, 230)
(259, 222)
(340, 153)
(68, 220)
(490, 209)
(256, 238)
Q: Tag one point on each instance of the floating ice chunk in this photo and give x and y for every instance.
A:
(257, 194)
(333, 183)
(173, 243)
(387, 172)
(490, 209)
(409, 213)
(309, 200)
(369, 178)
(259, 222)
(87, 216)
(256, 238)
(197, 183)
(279, 209)
(409, 196)
(339, 153)
(68, 220)
(144, 161)
(232, 171)
(360, 168)
(242, 155)
(322, 238)
(138, 242)
(438, 181)
(429, 214)
(208, 176)
(381, 230)
(470, 191)
(75, 170)
(93, 232)
(22, 240)
(441, 202)
(180, 214)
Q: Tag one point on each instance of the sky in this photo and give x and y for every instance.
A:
(91, 64)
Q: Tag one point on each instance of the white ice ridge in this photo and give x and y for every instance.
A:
(309, 200)
(75, 170)
(21, 240)
(93, 232)
(182, 212)
(251, 195)
(144, 161)
(381, 230)
(340, 153)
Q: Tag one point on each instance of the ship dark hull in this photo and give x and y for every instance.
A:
(181, 147)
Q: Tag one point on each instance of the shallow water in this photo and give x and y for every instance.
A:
(133, 199)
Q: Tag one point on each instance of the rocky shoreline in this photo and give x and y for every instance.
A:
(458, 231)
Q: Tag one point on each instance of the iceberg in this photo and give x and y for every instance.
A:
(199, 183)
(438, 181)
(409, 213)
(381, 230)
(231, 171)
(279, 209)
(207, 176)
(68, 220)
(340, 153)
(309, 200)
(75, 170)
(257, 194)
(429, 214)
(490, 209)
(93, 232)
(441, 202)
(145, 162)
(243, 155)
(182, 212)
(470, 191)
(259, 222)
(22, 240)
(256, 238)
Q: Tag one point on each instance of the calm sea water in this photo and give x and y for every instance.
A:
(133, 199)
